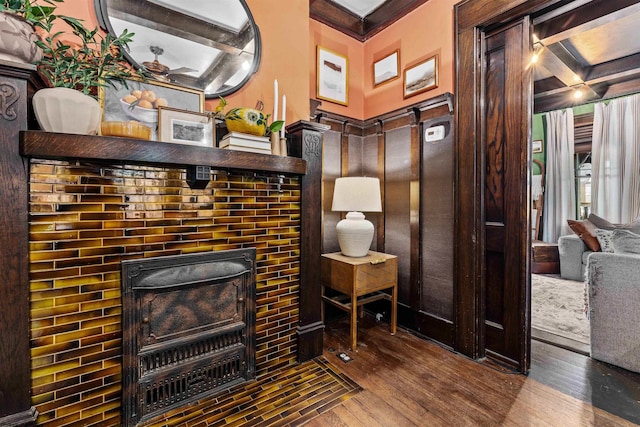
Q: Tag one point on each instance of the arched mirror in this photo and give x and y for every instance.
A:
(209, 45)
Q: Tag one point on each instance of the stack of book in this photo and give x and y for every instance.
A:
(245, 142)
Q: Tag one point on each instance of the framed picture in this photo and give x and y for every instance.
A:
(386, 69)
(332, 74)
(137, 100)
(537, 146)
(421, 77)
(185, 127)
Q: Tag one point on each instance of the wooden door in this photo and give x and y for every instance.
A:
(493, 115)
(506, 213)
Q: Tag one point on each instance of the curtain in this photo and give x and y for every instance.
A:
(615, 192)
(560, 194)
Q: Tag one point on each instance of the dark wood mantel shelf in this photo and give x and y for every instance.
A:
(60, 146)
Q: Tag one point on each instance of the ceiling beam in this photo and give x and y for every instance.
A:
(583, 18)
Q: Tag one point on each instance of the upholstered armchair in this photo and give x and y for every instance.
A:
(614, 301)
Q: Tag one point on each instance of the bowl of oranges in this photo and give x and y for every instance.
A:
(142, 105)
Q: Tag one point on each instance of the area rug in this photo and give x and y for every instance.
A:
(557, 307)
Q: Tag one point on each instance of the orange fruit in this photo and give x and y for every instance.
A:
(148, 95)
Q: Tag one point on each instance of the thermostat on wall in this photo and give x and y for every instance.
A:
(434, 133)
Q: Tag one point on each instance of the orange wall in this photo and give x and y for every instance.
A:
(335, 41)
(285, 50)
(426, 31)
(289, 40)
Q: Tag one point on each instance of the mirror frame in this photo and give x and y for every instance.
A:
(103, 20)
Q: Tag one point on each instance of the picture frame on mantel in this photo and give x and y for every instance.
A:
(386, 69)
(421, 77)
(139, 101)
(185, 127)
(332, 76)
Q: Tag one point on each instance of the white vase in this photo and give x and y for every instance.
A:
(65, 110)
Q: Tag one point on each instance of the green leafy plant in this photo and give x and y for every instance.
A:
(94, 62)
(36, 14)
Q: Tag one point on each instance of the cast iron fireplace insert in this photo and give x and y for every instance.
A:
(188, 329)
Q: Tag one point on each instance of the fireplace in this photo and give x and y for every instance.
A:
(188, 329)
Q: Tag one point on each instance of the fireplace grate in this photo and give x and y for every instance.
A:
(188, 329)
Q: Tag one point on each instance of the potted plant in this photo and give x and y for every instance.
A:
(75, 73)
(18, 22)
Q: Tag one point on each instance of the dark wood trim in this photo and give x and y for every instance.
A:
(15, 371)
(341, 19)
(306, 143)
(471, 19)
(48, 145)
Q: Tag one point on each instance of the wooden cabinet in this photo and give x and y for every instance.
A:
(360, 281)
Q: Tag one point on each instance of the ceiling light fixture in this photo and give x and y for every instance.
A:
(537, 48)
(578, 93)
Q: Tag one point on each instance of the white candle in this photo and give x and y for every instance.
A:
(275, 100)
(284, 114)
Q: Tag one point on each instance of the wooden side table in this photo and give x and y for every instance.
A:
(360, 281)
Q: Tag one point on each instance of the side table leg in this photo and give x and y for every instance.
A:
(322, 303)
(354, 320)
(394, 308)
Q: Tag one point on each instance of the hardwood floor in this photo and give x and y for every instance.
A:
(408, 381)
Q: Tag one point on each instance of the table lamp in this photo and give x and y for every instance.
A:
(356, 195)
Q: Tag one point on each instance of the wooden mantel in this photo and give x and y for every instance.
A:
(60, 146)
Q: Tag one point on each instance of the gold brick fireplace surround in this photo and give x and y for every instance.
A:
(85, 218)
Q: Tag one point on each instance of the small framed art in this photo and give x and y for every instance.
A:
(185, 127)
(333, 78)
(421, 77)
(386, 69)
(536, 146)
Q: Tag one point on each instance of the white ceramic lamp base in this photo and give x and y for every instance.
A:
(355, 235)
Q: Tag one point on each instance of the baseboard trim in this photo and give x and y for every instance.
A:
(21, 419)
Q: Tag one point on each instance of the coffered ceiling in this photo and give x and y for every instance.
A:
(591, 46)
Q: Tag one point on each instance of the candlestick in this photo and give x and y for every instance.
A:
(284, 114)
(275, 101)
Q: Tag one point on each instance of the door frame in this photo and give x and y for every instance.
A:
(472, 19)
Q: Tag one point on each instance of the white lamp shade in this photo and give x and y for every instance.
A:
(361, 194)
(356, 194)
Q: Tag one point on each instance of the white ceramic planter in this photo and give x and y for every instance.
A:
(17, 39)
(66, 110)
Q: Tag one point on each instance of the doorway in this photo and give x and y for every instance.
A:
(482, 113)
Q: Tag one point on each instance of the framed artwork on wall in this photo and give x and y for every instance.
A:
(139, 101)
(421, 77)
(333, 78)
(185, 127)
(537, 146)
(386, 69)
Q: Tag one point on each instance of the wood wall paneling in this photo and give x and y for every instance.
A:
(397, 214)
(391, 149)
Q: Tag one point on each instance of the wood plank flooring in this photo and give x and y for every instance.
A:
(408, 381)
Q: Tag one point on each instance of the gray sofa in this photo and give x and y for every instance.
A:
(573, 257)
(614, 308)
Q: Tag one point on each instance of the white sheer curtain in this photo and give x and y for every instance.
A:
(560, 194)
(615, 188)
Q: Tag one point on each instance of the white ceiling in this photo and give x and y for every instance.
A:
(361, 8)
(228, 14)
